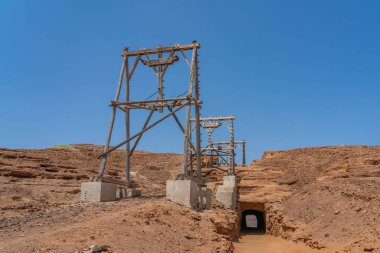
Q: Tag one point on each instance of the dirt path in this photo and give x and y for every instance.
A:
(251, 243)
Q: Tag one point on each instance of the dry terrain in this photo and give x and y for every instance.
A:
(327, 197)
(40, 209)
(324, 198)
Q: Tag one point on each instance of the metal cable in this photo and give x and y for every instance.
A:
(182, 94)
(151, 95)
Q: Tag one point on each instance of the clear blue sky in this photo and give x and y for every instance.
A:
(294, 73)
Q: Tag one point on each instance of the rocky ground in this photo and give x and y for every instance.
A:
(137, 225)
(327, 197)
(40, 209)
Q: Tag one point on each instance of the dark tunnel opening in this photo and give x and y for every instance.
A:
(252, 221)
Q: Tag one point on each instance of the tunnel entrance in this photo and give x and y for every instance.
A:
(252, 221)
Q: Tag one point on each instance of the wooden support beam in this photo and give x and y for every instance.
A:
(167, 65)
(161, 49)
(144, 127)
(226, 142)
(141, 132)
(161, 61)
(151, 101)
(112, 121)
(215, 118)
(134, 67)
(181, 127)
(153, 67)
(185, 58)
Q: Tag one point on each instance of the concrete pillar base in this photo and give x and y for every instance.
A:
(98, 192)
(229, 181)
(123, 193)
(133, 192)
(188, 193)
(204, 198)
(226, 193)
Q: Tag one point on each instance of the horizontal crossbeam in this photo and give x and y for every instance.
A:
(160, 49)
(160, 61)
(226, 142)
(150, 101)
(217, 149)
(143, 131)
(215, 118)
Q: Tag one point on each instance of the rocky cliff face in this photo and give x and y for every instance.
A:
(326, 197)
(33, 179)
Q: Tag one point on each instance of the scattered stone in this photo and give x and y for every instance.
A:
(189, 237)
(16, 198)
(369, 248)
(97, 249)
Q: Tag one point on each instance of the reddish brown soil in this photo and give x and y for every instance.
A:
(326, 197)
(40, 209)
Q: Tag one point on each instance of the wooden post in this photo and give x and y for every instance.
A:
(243, 160)
(127, 128)
(143, 128)
(232, 143)
(186, 152)
(112, 121)
(160, 79)
(197, 117)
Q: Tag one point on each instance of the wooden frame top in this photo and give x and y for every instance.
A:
(176, 47)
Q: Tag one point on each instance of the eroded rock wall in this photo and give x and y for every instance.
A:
(325, 197)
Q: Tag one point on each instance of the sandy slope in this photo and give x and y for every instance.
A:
(138, 225)
(40, 209)
(326, 197)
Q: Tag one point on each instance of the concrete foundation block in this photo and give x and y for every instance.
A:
(184, 192)
(229, 181)
(123, 193)
(204, 198)
(226, 195)
(98, 192)
(133, 192)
